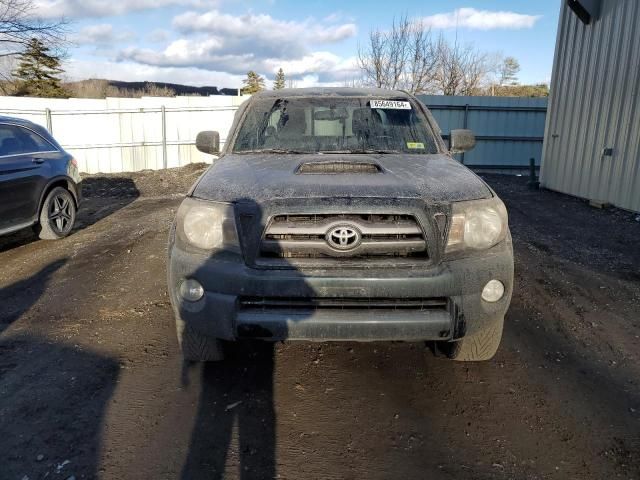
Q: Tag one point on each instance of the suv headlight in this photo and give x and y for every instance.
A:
(207, 225)
(477, 225)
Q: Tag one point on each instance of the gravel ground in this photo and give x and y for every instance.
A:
(92, 384)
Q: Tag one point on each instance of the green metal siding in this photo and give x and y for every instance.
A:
(595, 104)
(509, 130)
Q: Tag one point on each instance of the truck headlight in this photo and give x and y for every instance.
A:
(207, 225)
(477, 225)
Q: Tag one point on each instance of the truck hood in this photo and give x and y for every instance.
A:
(264, 177)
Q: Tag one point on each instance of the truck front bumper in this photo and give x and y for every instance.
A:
(440, 302)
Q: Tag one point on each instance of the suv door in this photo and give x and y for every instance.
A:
(24, 171)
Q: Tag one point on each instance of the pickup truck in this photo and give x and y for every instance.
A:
(339, 214)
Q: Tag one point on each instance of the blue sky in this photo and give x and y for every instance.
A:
(213, 42)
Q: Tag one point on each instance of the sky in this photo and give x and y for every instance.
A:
(215, 42)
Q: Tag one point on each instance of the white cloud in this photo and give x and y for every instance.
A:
(218, 42)
(105, 8)
(101, 34)
(216, 48)
(208, 55)
(262, 34)
(324, 66)
(159, 35)
(481, 19)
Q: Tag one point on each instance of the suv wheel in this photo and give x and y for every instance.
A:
(197, 347)
(58, 215)
(475, 348)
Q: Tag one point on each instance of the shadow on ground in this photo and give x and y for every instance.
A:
(236, 397)
(243, 381)
(102, 196)
(53, 394)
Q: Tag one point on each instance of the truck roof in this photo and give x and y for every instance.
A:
(332, 91)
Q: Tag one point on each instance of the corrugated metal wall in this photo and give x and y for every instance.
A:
(595, 104)
(509, 130)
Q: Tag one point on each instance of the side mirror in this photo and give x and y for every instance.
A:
(208, 142)
(461, 141)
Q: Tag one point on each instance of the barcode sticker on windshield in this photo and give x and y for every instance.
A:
(391, 104)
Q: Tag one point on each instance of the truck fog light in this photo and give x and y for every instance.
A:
(191, 290)
(493, 291)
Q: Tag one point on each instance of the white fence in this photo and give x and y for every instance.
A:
(128, 134)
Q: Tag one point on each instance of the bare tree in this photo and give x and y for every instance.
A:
(19, 24)
(462, 70)
(7, 65)
(403, 57)
(408, 57)
(353, 82)
(371, 60)
(423, 60)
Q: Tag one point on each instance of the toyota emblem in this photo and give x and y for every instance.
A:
(344, 237)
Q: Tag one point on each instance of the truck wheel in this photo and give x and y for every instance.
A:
(481, 346)
(57, 216)
(197, 347)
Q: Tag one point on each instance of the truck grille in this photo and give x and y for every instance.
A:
(351, 236)
(342, 303)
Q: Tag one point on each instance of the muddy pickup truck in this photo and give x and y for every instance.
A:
(339, 215)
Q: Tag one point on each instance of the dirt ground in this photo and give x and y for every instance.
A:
(92, 384)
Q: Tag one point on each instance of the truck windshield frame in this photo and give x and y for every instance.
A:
(310, 125)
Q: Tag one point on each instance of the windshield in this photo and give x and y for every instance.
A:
(335, 125)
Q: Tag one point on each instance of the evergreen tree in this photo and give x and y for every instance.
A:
(509, 71)
(254, 83)
(38, 71)
(279, 84)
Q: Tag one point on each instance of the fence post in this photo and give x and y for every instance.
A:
(164, 136)
(465, 122)
(533, 183)
(47, 114)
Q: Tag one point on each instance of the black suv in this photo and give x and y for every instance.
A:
(40, 185)
(340, 215)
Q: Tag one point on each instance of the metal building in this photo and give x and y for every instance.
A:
(592, 134)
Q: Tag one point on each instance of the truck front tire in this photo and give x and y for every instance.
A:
(197, 347)
(478, 347)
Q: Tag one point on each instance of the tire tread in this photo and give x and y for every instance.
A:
(197, 347)
(479, 347)
(43, 229)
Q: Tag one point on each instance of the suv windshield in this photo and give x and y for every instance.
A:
(335, 125)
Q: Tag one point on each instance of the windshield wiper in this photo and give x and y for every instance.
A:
(376, 151)
(273, 150)
(324, 152)
(358, 151)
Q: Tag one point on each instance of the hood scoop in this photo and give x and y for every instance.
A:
(337, 167)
